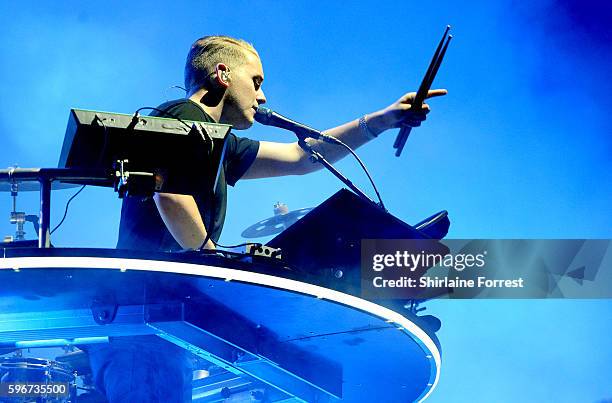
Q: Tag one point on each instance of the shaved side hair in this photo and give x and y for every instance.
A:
(207, 52)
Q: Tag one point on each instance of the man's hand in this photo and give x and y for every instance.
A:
(402, 113)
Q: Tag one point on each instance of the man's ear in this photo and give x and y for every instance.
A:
(222, 74)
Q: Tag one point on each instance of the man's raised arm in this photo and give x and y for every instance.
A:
(280, 159)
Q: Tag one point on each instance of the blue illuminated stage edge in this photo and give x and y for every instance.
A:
(296, 340)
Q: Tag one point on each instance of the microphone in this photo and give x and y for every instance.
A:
(268, 117)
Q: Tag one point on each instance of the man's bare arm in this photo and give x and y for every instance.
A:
(182, 218)
(280, 159)
(180, 212)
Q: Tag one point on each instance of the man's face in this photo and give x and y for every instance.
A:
(244, 93)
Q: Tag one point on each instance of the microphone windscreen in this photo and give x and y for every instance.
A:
(263, 114)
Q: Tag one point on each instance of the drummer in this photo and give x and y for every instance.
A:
(224, 78)
(224, 81)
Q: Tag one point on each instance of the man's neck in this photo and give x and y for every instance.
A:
(214, 111)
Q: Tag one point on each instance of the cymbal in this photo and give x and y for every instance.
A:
(34, 186)
(275, 224)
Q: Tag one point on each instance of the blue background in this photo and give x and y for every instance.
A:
(520, 148)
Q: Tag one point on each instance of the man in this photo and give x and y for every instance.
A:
(223, 78)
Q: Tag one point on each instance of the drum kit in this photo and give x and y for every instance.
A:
(138, 156)
(20, 218)
(50, 381)
(63, 378)
(282, 219)
(67, 378)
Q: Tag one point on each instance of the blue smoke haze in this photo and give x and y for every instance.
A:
(520, 148)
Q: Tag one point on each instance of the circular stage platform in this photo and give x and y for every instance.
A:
(261, 328)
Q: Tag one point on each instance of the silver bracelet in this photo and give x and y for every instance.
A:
(365, 129)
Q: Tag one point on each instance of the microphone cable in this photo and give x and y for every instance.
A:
(354, 154)
(169, 114)
(268, 117)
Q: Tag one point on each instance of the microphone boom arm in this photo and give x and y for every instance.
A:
(316, 156)
(268, 117)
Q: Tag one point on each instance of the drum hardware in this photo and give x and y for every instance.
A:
(281, 220)
(280, 208)
(428, 322)
(44, 180)
(131, 183)
(30, 186)
(412, 306)
(24, 370)
(263, 250)
(77, 359)
(259, 250)
(85, 385)
(19, 218)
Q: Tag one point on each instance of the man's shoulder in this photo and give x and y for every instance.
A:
(183, 109)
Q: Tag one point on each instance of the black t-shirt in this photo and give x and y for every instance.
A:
(141, 226)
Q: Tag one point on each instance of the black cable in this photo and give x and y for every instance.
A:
(363, 167)
(211, 220)
(66, 210)
(172, 115)
(212, 204)
(105, 143)
(258, 244)
(104, 146)
(167, 91)
(209, 227)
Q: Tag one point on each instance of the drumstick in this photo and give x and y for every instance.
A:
(421, 94)
(424, 84)
(422, 91)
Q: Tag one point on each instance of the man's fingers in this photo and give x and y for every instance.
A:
(408, 98)
(436, 93)
(424, 108)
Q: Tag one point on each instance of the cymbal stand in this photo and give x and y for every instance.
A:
(17, 217)
(45, 176)
(316, 156)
